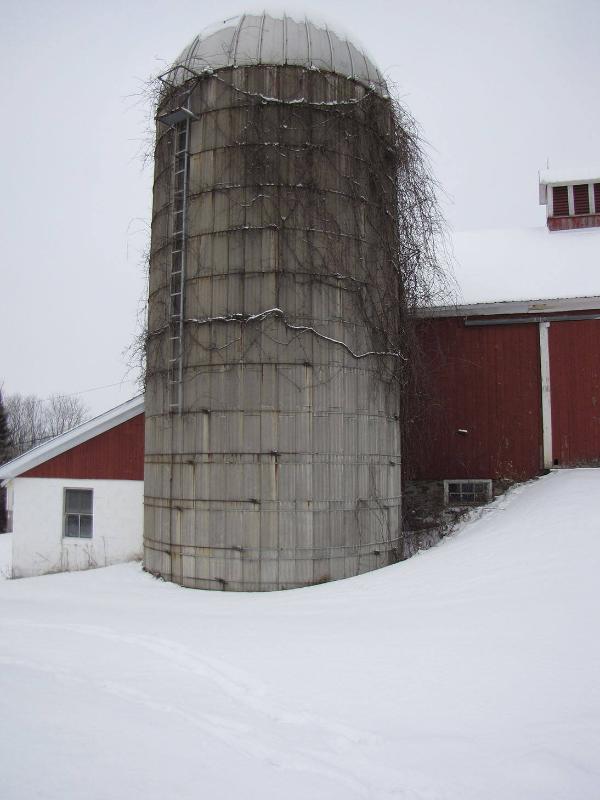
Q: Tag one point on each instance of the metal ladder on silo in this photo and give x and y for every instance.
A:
(177, 273)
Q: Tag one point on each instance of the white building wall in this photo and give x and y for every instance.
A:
(38, 543)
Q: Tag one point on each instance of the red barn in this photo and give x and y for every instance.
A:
(514, 370)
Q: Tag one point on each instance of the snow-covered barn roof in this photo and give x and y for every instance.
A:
(82, 433)
(580, 174)
(526, 265)
(251, 39)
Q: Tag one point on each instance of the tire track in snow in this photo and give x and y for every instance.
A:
(231, 733)
(322, 758)
(236, 684)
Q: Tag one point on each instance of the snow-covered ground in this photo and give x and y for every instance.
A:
(470, 672)
(5, 555)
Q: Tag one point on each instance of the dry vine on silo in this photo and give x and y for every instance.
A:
(379, 182)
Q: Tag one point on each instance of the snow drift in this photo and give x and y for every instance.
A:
(468, 672)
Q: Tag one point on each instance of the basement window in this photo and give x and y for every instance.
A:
(467, 492)
(78, 514)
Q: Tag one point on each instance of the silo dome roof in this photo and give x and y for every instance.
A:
(251, 39)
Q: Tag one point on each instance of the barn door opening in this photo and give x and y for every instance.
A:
(574, 354)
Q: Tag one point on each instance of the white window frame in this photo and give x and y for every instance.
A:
(71, 537)
(448, 481)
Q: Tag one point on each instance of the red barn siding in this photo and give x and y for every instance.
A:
(115, 454)
(572, 223)
(485, 380)
(560, 201)
(581, 199)
(575, 386)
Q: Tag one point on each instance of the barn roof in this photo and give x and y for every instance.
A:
(527, 264)
(252, 39)
(82, 433)
(572, 175)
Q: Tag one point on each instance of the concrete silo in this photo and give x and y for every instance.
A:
(272, 433)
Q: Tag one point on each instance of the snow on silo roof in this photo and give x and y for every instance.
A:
(252, 39)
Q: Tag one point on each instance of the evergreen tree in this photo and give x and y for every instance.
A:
(4, 433)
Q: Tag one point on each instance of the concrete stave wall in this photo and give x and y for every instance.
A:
(283, 468)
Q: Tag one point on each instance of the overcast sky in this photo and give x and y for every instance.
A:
(498, 88)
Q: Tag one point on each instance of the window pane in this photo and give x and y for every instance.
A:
(72, 525)
(74, 500)
(78, 500)
(581, 199)
(560, 201)
(85, 526)
(71, 500)
(86, 501)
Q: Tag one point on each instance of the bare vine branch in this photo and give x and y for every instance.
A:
(374, 229)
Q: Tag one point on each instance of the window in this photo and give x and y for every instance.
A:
(576, 199)
(560, 201)
(466, 493)
(581, 199)
(78, 513)
(572, 205)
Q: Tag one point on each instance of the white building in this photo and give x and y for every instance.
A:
(77, 501)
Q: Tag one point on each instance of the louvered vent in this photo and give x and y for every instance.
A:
(581, 199)
(560, 201)
(597, 197)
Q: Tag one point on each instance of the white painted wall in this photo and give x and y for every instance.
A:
(38, 543)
